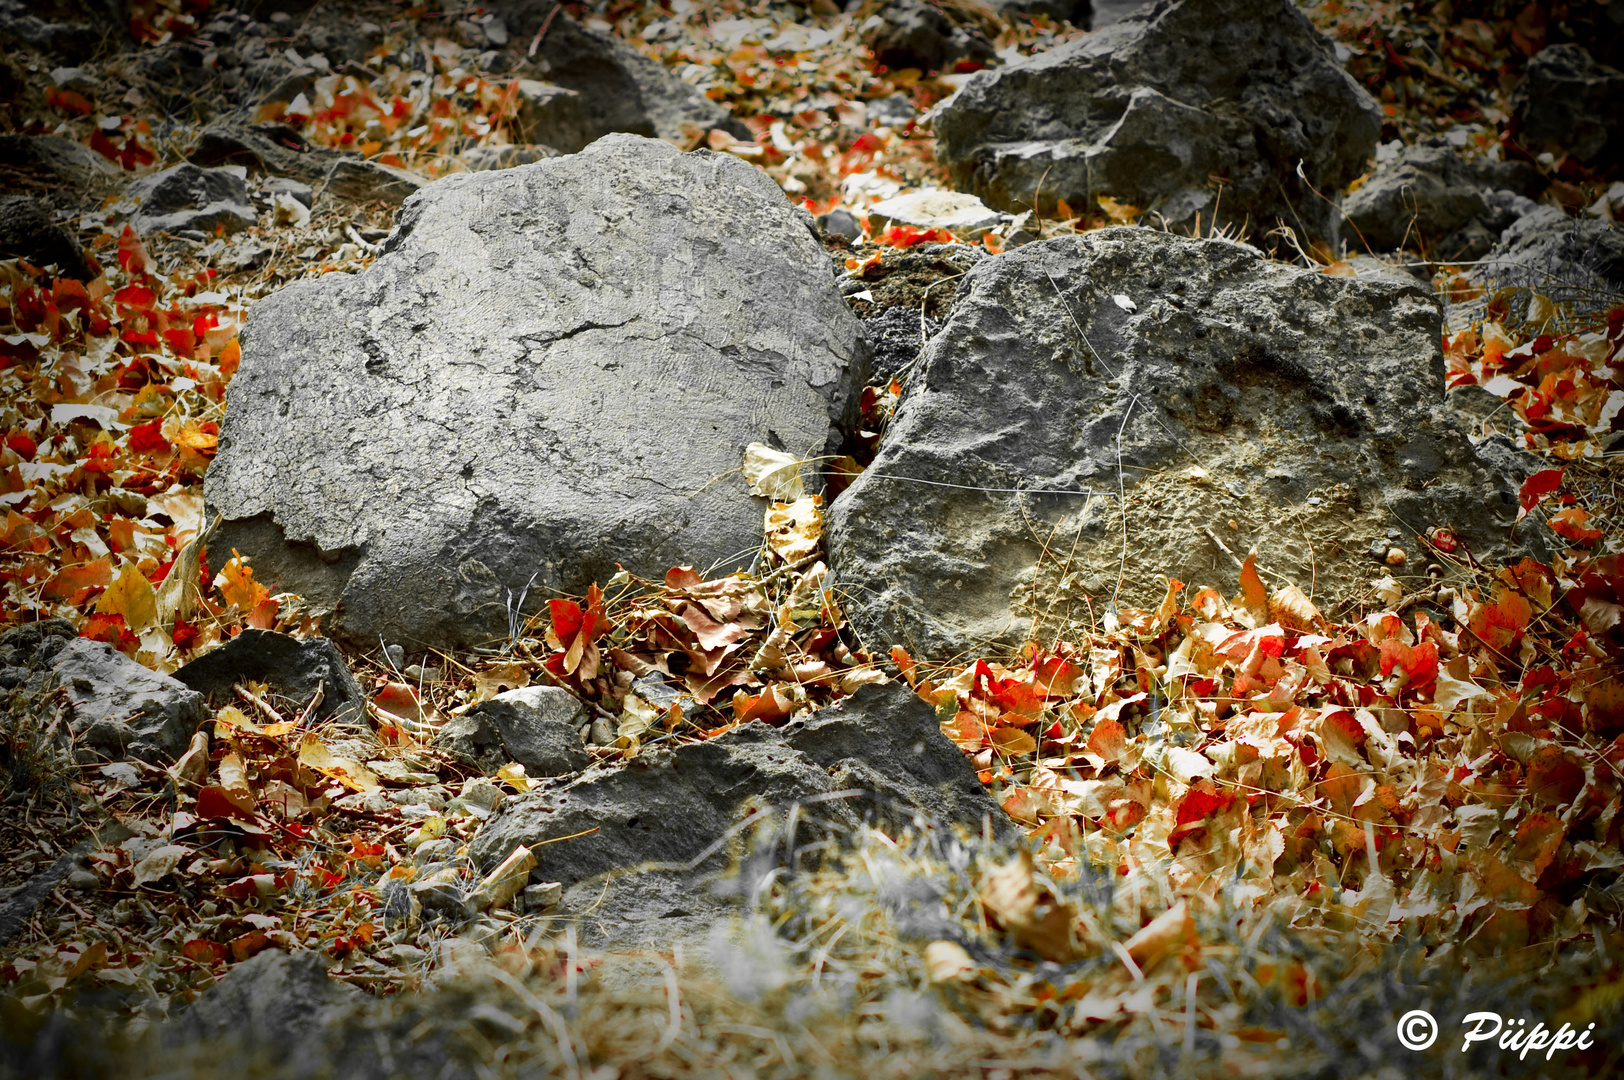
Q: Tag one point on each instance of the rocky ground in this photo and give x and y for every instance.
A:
(937, 538)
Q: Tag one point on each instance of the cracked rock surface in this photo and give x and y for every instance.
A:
(539, 376)
(1237, 401)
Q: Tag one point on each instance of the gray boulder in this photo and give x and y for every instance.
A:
(28, 232)
(1568, 103)
(186, 198)
(273, 1011)
(290, 668)
(1429, 197)
(1151, 109)
(1236, 400)
(655, 829)
(539, 376)
(537, 726)
(110, 704)
(1576, 262)
(619, 89)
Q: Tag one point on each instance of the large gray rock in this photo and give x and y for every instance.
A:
(669, 808)
(539, 376)
(1151, 109)
(1568, 103)
(1429, 197)
(617, 87)
(188, 198)
(110, 704)
(1236, 399)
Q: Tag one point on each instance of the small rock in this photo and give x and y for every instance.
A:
(537, 727)
(441, 891)
(841, 222)
(369, 181)
(603, 732)
(396, 655)
(27, 231)
(893, 111)
(960, 214)
(79, 80)
(478, 792)
(188, 197)
(543, 896)
(435, 851)
(83, 881)
(294, 189)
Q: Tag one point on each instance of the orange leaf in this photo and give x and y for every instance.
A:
(237, 585)
(1108, 740)
(1571, 523)
(203, 952)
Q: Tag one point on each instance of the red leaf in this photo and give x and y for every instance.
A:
(148, 438)
(23, 444)
(132, 255)
(1537, 487)
(203, 952)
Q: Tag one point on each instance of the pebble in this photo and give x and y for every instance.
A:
(83, 881)
(396, 654)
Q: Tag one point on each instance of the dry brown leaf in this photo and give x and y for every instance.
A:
(1170, 933)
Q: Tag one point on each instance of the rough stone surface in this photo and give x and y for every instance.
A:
(271, 1006)
(1150, 108)
(358, 180)
(186, 197)
(537, 377)
(670, 807)
(619, 88)
(1134, 356)
(112, 705)
(272, 148)
(51, 156)
(1568, 103)
(1577, 262)
(1429, 197)
(913, 34)
(537, 726)
(958, 213)
(291, 668)
(28, 232)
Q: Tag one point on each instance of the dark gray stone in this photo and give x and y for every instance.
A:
(536, 377)
(1576, 262)
(1132, 356)
(272, 148)
(540, 728)
(291, 668)
(641, 869)
(1429, 198)
(186, 197)
(841, 222)
(899, 335)
(27, 231)
(117, 707)
(619, 88)
(537, 726)
(1151, 108)
(1568, 103)
(358, 180)
(913, 34)
(75, 165)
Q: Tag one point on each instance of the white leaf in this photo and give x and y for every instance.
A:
(160, 863)
(773, 473)
(1124, 303)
